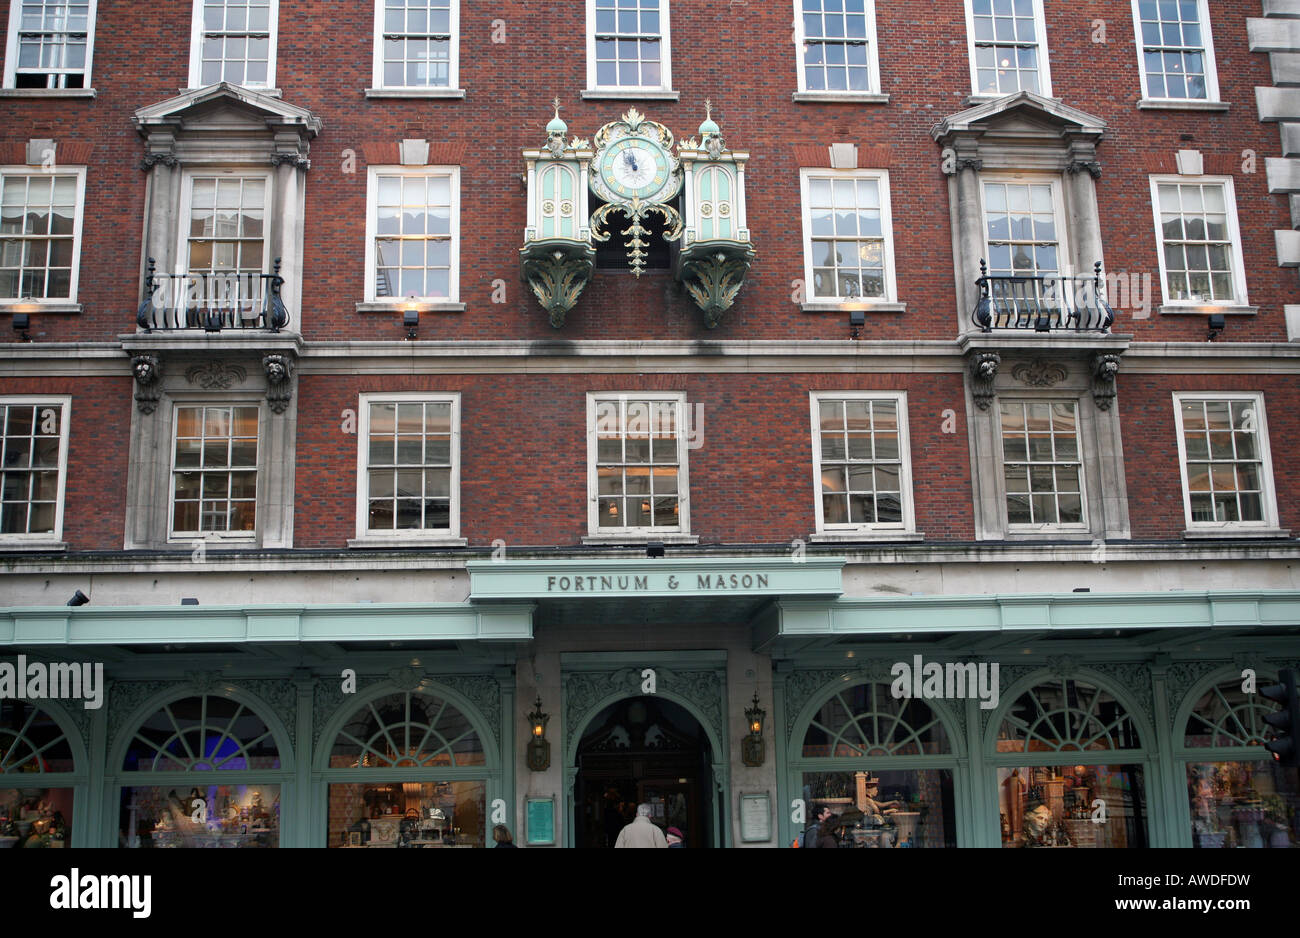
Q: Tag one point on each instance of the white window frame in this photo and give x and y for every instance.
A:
(11, 48)
(453, 61)
(873, 54)
(196, 47)
(1063, 255)
(1044, 69)
(372, 225)
(423, 535)
(908, 524)
(259, 502)
(886, 231)
(683, 526)
(665, 60)
(1268, 496)
(187, 205)
(1085, 523)
(36, 303)
(1211, 69)
(1234, 233)
(64, 402)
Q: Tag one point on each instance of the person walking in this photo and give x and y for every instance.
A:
(829, 833)
(821, 814)
(501, 834)
(642, 832)
(676, 838)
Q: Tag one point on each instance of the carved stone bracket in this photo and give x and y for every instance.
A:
(558, 273)
(215, 375)
(1039, 373)
(953, 167)
(983, 371)
(152, 159)
(714, 276)
(279, 381)
(147, 370)
(296, 160)
(1105, 366)
(1091, 167)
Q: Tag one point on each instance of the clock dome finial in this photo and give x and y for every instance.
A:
(709, 127)
(557, 126)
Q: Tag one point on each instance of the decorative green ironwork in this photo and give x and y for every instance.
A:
(1226, 716)
(1067, 715)
(558, 272)
(31, 740)
(407, 730)
(867, 720)
(713, 274)
(636, 211)
(203, 733)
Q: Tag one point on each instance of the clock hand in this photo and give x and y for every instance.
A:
(631, 160)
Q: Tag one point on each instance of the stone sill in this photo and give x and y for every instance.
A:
(630, 94)
(233, 541)
(256, 340)
(270, 92)
(1192, 309)
(389, 543)
(1190, 104)
(639, 540)
(1050, 534)
(457, 93)
(866, 536)
(35, 307)
(47, 92)
(423, 306)
(1198, 534)
(838, 97)
(853, 306)
(33, 546)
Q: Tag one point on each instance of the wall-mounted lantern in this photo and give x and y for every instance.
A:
(539, 750)
(752, 747)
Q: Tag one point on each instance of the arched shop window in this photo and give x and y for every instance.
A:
(408, 769)
(883, 765)
(201, 771)
(1070, 769)
(37, 770)
(1238, 795)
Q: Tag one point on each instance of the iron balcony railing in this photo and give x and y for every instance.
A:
(212, 300)
(1047, 303)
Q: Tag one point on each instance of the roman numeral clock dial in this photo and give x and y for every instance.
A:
(637, 176)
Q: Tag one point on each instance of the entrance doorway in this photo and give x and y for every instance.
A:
(643, 750)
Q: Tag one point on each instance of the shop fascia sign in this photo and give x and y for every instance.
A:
(548, 579)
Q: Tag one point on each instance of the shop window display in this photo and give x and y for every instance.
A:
(35, 817)
(31, 746)
(408, 814)
(1247, 802)
(910, 808)
(1072, 806)
(202, 815)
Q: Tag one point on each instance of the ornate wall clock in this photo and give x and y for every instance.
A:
(636, 174)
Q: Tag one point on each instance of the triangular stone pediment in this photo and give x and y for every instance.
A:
(1021, 114)
(226, 106)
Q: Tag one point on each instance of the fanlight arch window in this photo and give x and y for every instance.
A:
(1065, 715)
(558, 185)
(1227, 716)
(407, 730)
(31, 740)
(202, 734)
(867, 720)
(715, 186)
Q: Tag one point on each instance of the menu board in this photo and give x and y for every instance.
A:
(540, 818)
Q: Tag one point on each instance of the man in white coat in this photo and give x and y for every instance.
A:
(642, 832)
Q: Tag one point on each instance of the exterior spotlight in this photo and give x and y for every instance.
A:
(857, 320)
(411, 320)
(189, 601)
(752, 747)
(78, 599)
(22, 322)
(654, 549)
(1217, 324)
(539, 750)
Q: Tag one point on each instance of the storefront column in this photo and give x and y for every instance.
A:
(88, 808)
(1165, 788)
(977, 823)
(301, 830)
(505, 781)
(785, 795)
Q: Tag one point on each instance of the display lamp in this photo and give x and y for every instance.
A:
(539, 750)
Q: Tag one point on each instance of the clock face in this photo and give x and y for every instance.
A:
(635, 167)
